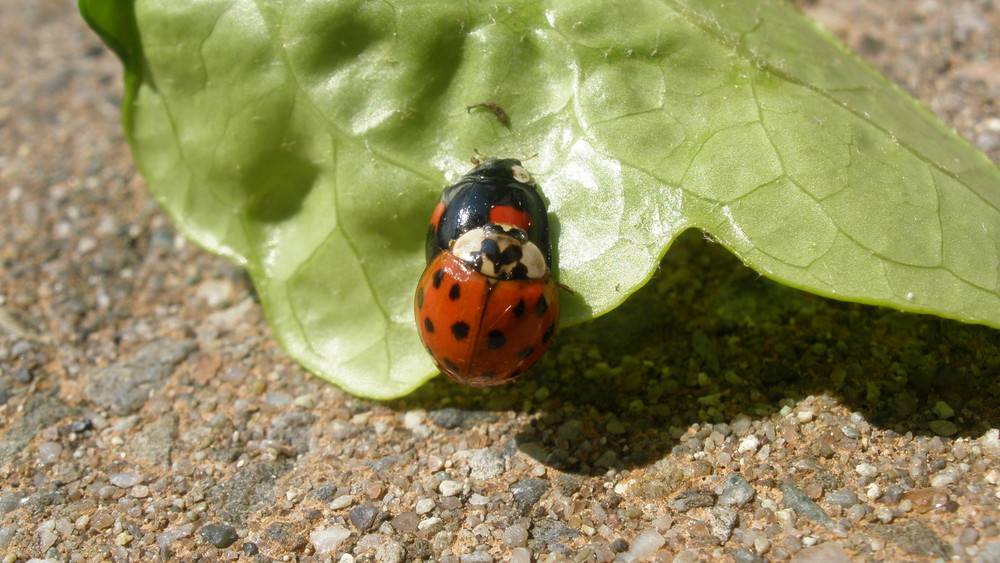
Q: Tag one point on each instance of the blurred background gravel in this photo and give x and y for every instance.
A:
(146, 412)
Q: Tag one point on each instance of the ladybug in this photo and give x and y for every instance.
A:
(486, 306)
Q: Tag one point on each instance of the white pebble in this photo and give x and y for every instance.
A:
(431, 525)
(946, 476)
(326, 540)
(644, 545)
(748, 444)
(424, 505)
(520, 555)
(49, 452)
(450, 488)
(343, 501)
(412, 419)
(866, 470)
(126, 479)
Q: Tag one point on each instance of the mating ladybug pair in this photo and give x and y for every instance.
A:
(486, 306)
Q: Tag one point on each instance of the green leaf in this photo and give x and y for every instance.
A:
(309, 141)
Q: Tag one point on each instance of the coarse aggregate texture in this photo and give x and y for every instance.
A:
(146, 412)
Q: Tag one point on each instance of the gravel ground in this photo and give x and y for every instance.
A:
(146, 412)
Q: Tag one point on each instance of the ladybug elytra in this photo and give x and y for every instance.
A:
(486, 306)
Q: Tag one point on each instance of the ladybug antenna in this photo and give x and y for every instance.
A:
(478, 158)
(529, 158)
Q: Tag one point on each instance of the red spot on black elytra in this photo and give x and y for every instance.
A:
(428, 325)
(495, 340)
(460, 330)
(436, 216)
(455, 292)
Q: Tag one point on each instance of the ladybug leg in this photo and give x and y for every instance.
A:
(565, 288)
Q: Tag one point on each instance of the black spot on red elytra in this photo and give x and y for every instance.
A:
(449, 365)
(420, 298)
(525, 352)
(518, 309)
(460, 330)
(548, 333)
(541, 306)
(495, 340)
(438, 276)
(428, 325)
(455, 292)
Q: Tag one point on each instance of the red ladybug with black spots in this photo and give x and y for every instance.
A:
(486, 306)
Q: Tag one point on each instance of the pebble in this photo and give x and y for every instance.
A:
(520, 555)
(363, 516)
(990, 553)
(570, 430)
(477, 557)
(797, 500)
(691, 498)
(990, 441)
(390, 551)
(884, 514)
(101, 520)
(722, 520)
(914, 536)
(323, 492)
(528, 491)
(552, 531)
(327, 540)
(866, 470)
(453, 418)
(645, 544)
(484, 463)
(744, 555)
(343, 501)
(842, 498)
(748, 444)
(424, 506)
(856, 512)
(943, 427)
(515, 535)
(406, 521)
(7, 534)
(219, 535)
(11, 501)
(170, 536)
(943, 410)
(431, 525)
(829, 552)
(125, 480)
(49, 452)
(947, 476)
(450, 488)
(736, 490)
